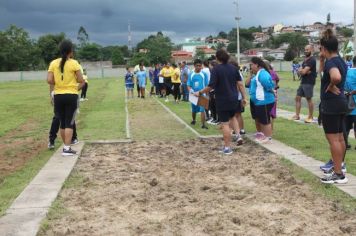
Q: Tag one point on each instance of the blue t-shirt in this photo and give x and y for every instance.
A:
(155, 76)
(261, 88)
(349, 64)
(197, 81)
(295, 67)
(184, 72)
(129, 79)
(335, 62)
(223, 80)
(141, 76)
(350, 84)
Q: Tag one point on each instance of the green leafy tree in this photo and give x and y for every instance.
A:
(90, 52)
(139, 57)
(296, 42)
(49, 46)
(17, 51)
(290, 55)
(82, 37)
(346, 32)
(222, 34)
(117, 57)
(270, 58)
(158, 48)
(199, 54)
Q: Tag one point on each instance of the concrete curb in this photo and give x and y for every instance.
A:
(28, 210)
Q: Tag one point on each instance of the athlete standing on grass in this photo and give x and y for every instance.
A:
(333, 104)
(64, 73)
(142, 80)
(226, 80)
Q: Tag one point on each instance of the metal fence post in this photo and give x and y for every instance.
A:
(102, 73)
(21, 75)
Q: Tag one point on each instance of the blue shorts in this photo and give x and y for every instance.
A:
(142, 83)
(129, 86)
(197, 109)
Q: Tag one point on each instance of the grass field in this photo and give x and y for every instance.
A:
(26, 121)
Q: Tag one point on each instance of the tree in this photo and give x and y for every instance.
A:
(222, 34)
(296, 42)
(158, 48)
(82, 37)
(90, 52)
(48, 46)
(270, 58)
(117, 57)
(17, 51)
(346, 32)
(139, 57)
(290, 55)
(199, 54)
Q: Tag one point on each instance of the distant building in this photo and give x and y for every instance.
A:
(277, 28)
(208, 52)
(278, 54)
(179, 56)
(288, 29)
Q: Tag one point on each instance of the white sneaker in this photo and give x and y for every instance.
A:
(82, 99)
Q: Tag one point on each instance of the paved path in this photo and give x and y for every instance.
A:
(31, 206)
(288, 115)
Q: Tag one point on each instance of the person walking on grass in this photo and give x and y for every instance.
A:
(197, 80)
(176, 83)
(262, 99)
(65, 75)
(206, 70)
(83, 96)
(295, 68)
(333, 106)
(166, 73)
(275, 80)
(142, 81)
(225, 80)
(308, 76)
(137, 69)
(156, 79)
(129, 83)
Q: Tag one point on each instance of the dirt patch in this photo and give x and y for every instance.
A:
(19, 146)
(187, 188)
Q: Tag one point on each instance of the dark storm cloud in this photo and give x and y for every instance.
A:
(106, 20)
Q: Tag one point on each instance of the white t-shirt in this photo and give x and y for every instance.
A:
(206, 70)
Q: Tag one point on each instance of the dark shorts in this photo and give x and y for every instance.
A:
(261, 113)
(333, 124)
(225, 116)
(305, 90)
(240, 108)
(168, 83)
(65, 107)
(350, 122)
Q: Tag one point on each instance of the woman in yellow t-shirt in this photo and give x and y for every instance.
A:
(176, 83)
(65, 75)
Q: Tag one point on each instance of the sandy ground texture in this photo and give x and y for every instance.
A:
(188, 188)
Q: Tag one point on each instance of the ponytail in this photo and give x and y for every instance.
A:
(65, 48)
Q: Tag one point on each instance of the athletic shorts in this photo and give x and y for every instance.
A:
(65, 107)
(142, 83)
(240, 108)
(333, 124)
(197, 109)
(129, 86)
(261, 113)
(350, 122)
(305, 90)
(168, 83)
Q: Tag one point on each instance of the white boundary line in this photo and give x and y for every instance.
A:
(128, 134)
(179, 119)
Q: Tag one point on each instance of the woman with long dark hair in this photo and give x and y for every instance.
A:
(333, 107)
(262, 99)
(65, 75)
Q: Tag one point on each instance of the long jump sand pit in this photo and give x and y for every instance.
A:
(187, 188)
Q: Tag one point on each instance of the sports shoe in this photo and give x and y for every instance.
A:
(331, 170)
(242, 132)
(239, 140)
(69, 152)
(295, 117)
(193, 122)
(82, 99)
(75, 141)
(308, 120)
(226, 151)
(258, 135)
(265, 140)
(334, 179)
(204, 127)
(327, 166)
(51, 145)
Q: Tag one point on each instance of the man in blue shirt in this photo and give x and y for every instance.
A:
(184, 73)
(295, 68)
(141, 81)
(350, 87)
(197, 81)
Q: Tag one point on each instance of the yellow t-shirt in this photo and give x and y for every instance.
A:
(167, 72)
(85, 77)
(176, 76)
(66, 84)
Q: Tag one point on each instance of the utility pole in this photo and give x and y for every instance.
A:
(354, 28)
(129, 36)
(238, 18)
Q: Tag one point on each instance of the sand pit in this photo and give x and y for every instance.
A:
(187, 188)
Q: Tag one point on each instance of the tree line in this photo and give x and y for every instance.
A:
(19, 52)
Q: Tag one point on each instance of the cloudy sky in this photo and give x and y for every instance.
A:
(106, 20)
